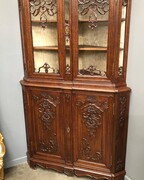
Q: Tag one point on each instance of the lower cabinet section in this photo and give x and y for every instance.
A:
(77, 132)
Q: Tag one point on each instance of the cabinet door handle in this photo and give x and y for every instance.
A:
(68, 130)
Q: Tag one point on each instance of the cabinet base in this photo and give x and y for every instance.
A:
(74, 171)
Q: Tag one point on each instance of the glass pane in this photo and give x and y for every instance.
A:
(122, 38)
(67, 36)
(45, 35)
(93, 36)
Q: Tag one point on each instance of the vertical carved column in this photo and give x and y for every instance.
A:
(121, 130)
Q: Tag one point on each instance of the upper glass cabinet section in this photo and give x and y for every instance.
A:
(45, 36)
(122, 38)
(92, 37)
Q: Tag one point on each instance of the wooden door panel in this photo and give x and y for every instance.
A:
(46, 123)
(92, 141)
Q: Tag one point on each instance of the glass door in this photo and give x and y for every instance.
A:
(44, 18)
(93, 16)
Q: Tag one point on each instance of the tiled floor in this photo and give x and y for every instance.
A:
(23, 172)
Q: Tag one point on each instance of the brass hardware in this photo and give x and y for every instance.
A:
(68, 129)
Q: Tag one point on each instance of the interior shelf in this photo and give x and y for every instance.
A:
(81, 48)
(99, 20)
(43, 48)
(42, 21)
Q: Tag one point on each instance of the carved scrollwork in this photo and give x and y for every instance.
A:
(67, 31)
(91, 70)
(87, 152)
(43, 9)
(50, 146)
(92, 118)
(92, 7)
(47, 109)
(92, 113)
(47, 68)
(122, 110)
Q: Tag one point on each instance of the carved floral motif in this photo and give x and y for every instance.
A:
(50, 146)
(92, 113)
(43, 9)
(87, 152)
(46, 68)
(47, 109)
(92, 7)
(92, 117)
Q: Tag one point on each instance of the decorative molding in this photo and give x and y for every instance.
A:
(43, 9)
(92, 7)
(46, 68)
(87, 152)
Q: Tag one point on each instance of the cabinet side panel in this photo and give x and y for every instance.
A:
(121, 126)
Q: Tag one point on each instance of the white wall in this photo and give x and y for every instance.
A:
(135, 79)
(11, 71)
(11, 105)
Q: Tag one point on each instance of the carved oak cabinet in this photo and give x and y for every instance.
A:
(75, 95)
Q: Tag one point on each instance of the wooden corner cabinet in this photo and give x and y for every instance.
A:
(76, 99)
